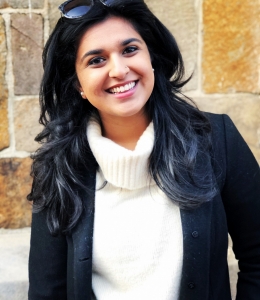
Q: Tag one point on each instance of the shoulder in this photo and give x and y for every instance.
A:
(224, 132)
(220, 123)
(226, 135)
(231, 153)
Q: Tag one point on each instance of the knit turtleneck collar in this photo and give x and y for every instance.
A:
(122, 167)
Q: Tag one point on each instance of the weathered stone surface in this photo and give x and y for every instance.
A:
(26, 115)
(27, 44)
(180, 17)
(15, 183)
(4, 135)
(244, 111)
(21, 4)
(54, 13)
(231, 46)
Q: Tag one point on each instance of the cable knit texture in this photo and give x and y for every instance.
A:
(137, 246)
(122, 167)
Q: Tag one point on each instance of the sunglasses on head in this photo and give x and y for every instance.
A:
(72, 9)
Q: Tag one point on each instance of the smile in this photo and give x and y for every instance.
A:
(123, 88)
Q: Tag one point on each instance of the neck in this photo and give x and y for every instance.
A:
(125, 131)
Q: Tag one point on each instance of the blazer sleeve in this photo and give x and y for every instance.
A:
(47, 262)
(241, 198)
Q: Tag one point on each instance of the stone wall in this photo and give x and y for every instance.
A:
(220, 42)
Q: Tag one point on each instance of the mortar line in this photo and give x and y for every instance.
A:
(258, 63)
(46, 22)
(200, 45)
(18, 154)
(10, 86)
(25, 97)
(10, 10)
(220, 95)
(30, 8)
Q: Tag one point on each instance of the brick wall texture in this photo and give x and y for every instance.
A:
(220, 43)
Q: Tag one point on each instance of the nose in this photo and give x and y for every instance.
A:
(118, 68)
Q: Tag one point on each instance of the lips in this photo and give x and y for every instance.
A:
(122, 88)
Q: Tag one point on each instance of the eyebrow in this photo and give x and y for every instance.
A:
(99, 51)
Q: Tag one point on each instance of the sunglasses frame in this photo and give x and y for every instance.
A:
(64, 14)
(120, 3)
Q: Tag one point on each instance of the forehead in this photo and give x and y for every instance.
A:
(112, 30)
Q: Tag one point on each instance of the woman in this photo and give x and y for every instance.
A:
(135, 190)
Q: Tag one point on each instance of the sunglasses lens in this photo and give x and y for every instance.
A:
(77, 11)
(77, 8)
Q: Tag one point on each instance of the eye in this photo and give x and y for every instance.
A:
(96, 61)
(130, 49)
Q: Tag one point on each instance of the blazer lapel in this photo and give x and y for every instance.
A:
(82, 240)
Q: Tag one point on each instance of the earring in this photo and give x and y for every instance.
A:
(153, 69)
(81, 93)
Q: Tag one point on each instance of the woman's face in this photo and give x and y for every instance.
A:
(114, 69)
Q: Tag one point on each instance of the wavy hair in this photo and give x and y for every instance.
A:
(182, 132)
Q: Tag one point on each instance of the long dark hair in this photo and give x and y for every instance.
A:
(182, 132)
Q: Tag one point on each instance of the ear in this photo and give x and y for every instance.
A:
(78, 87)
(83, 95)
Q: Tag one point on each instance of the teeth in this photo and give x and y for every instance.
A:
(123, 88)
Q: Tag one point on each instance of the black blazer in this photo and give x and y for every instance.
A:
(60, 267)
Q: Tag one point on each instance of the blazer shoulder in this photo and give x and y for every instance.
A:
(223, 134)
(218, 122)
(223, 131)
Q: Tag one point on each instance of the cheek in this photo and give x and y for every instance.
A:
(95, 90)
(91, 84)
(147, 70)
(149, 82)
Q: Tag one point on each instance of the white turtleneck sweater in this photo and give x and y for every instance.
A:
(137, 246)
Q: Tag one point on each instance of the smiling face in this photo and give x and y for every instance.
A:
(114, 69)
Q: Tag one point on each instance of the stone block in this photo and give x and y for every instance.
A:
(15, 184)
(22, 4)
(4, 133)
(54, 13)
(231, 47)
(243, 110)
(180, 17)
(27, 45)
(26, 115)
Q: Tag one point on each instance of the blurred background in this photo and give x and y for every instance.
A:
(220, 43)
